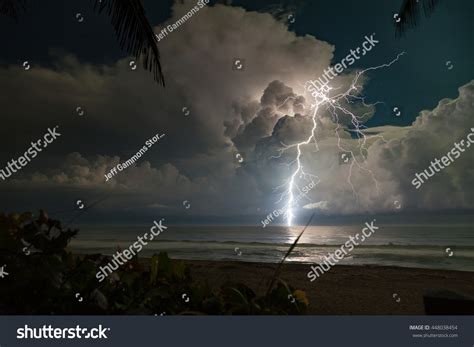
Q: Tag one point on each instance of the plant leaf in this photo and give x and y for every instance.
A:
(12, 8)
(134, 32)
(409, 13)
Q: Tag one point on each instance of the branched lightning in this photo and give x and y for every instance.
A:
(335, 106)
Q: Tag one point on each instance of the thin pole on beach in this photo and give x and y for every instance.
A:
(105, 197)
(278, 269)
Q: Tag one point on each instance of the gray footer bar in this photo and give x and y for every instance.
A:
(238, 331)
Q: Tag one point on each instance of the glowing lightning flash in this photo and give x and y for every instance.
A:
(333, 105)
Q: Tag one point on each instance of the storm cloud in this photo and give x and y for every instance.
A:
(250, 114)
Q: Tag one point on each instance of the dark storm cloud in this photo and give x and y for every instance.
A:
(253, 113)
(123, 108)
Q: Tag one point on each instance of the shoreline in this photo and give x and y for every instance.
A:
(345, 289)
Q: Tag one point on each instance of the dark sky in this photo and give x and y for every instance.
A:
(80, 64)
(446, 36)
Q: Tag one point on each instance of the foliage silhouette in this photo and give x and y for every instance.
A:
(45, 278)
(134, 33)
(409, 13)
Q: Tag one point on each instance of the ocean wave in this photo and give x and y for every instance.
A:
(284, 244)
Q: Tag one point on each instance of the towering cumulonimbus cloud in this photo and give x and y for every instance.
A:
(254, 112)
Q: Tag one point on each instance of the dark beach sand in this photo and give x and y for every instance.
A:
(344, 290)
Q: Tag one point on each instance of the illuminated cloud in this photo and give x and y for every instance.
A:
(250, 112)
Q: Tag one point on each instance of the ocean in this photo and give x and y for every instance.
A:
(406, 245)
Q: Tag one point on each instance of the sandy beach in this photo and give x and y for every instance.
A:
(344, 290)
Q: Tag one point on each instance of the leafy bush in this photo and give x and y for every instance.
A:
(45, 278)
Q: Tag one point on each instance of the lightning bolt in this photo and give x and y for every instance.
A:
(334, 104)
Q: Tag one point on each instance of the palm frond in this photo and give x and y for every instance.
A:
(134, 32)
(409, 13)
(12, 8)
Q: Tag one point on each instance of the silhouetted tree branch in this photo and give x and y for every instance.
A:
(134, 33)
(409, 13)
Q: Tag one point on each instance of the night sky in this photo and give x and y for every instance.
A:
(79, 64)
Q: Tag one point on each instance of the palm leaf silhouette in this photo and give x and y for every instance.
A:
(132, 28)
(409, 13)
(134, 32)
(12, 8)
